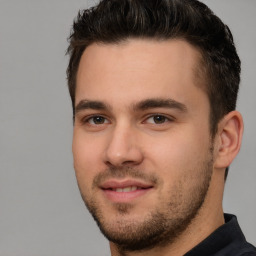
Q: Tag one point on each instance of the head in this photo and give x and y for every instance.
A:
(161, 20)
(190, 20)
(126, 34)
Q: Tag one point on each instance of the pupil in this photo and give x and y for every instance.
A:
(159, 119)
(98, 120)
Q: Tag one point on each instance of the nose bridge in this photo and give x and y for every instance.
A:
(123, 147)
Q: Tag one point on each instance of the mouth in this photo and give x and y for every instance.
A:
(125, 191)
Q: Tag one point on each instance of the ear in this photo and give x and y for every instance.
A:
(228, 139)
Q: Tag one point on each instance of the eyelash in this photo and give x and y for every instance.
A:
(87, 119)
(153, 116)
(166, 119)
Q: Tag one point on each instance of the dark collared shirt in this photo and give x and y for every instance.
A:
(227, 240)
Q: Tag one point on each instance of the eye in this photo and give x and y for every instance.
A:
(157, 119)
(97, 120)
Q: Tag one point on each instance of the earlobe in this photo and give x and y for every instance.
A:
(230, 131)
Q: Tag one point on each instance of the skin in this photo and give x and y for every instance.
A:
(121, 136)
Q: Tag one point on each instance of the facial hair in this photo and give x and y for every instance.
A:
(162, 224)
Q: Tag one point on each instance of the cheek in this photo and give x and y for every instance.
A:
(86, 158)
(179, 151)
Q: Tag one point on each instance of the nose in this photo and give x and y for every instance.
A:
(123, 148)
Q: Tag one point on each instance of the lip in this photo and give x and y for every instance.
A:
(108, 189)
(113, 184)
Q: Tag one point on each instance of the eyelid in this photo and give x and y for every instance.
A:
(168, 118)
(86, 119)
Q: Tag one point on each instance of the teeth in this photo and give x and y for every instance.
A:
(133, 188)
(127, 189)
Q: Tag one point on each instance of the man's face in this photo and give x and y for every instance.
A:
(142, 147)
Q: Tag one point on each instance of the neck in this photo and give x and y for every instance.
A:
(209, 218)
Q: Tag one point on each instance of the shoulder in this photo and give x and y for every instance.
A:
(247, 250)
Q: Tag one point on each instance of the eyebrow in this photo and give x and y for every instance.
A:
(140, 106)
(91, 104)
(160, 103)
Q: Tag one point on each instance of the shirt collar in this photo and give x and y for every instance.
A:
(226, 237)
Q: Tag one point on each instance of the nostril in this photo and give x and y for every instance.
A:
(120, 164)
(128, 162)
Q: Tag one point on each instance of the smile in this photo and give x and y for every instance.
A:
(125, 191)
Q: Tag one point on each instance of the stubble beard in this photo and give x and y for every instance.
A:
(161, 226)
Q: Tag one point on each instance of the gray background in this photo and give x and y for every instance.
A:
(41, 212)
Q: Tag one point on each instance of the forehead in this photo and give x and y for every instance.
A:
(138, 67)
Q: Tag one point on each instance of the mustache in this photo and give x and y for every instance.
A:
(124, 172)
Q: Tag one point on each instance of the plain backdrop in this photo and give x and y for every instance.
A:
(41, 212)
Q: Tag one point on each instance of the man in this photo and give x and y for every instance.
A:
(154, 86)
